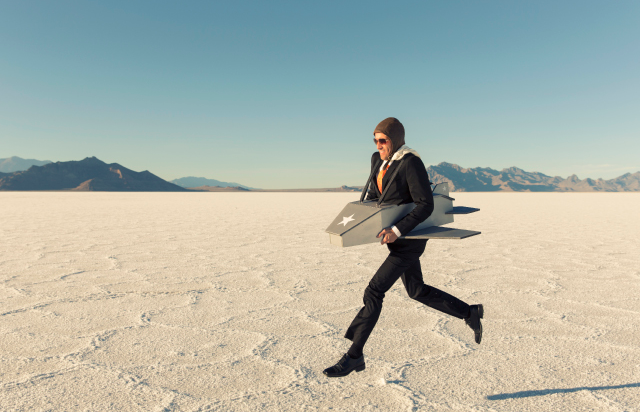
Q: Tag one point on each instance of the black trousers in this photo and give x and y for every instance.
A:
(403, 261)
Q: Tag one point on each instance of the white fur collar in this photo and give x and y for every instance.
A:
(399, 154)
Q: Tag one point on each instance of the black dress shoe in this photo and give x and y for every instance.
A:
(345, 366)
(477, 312)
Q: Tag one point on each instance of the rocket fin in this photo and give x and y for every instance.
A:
(462, 210)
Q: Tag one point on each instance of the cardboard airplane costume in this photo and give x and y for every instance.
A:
(360, 222)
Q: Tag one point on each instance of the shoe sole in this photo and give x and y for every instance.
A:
(480, 315)
(340, 375)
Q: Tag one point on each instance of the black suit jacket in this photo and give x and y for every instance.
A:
(410, 184)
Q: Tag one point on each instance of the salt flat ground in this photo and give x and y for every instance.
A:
(237, 302)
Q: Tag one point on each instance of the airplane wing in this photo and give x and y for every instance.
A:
(439, 232)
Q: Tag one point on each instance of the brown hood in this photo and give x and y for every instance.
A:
(394, 131)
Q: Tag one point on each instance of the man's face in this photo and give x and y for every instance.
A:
(384, 149)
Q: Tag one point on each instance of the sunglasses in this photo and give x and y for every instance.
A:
(382, 141)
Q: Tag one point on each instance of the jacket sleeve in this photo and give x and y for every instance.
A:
(420, 190)
(371, 191)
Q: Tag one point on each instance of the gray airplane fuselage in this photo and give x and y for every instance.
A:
(360, 223)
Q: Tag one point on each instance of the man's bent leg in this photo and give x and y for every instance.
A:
(402, 256)
(430, 296)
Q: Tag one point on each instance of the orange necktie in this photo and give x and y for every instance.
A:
(381, 176)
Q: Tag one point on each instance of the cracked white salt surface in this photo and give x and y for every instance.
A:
(237, 302)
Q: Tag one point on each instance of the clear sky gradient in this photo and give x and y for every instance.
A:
(286, 94)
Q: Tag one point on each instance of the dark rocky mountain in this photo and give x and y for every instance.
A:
(513, 179)
(192, 182)
(17, 164)
(90, 174)
(630, 181)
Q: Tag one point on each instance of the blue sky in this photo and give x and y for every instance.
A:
(287, 94)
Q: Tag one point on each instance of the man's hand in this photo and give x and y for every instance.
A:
(387, 236)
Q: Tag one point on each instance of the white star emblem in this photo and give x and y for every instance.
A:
(346, 220)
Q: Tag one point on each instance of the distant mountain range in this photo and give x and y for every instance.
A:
(513, 179)
(329, 189)
(206, 188)
(193, 182)
(16, 164)
(92, 174)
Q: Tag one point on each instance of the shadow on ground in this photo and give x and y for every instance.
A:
(527, 394)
